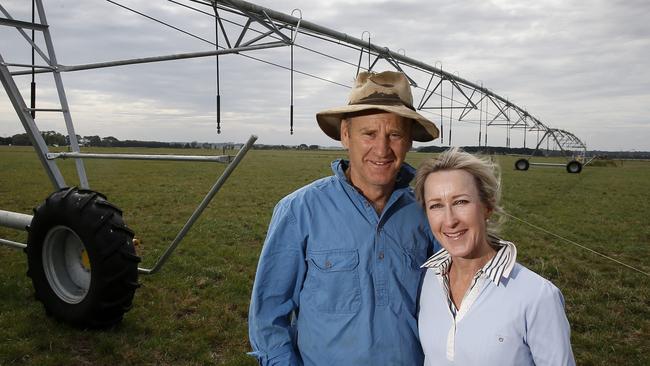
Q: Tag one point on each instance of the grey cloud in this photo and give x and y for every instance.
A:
(567, 62)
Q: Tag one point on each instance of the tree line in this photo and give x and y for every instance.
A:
(53, 138)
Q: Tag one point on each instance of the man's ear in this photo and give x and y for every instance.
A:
(345, 133)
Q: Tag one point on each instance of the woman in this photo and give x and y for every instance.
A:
(478, 306)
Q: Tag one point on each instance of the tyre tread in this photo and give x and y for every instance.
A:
(109, 243)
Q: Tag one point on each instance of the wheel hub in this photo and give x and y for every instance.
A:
(66, 264)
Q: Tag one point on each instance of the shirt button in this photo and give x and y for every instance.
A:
(381, 255)
(328, 264)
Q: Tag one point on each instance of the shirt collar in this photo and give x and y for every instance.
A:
(495, 269)
(404, 176)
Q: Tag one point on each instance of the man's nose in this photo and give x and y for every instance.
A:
(382, 145)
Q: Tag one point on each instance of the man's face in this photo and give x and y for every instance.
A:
(377, 145)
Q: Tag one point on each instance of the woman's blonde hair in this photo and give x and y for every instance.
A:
(486, 175)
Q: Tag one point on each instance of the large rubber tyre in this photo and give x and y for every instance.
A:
(522, 164)
(81, 259)
(574, 167)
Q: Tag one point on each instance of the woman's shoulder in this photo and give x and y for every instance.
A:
(530, 283)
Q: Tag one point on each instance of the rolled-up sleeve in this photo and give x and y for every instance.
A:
(548, 331)
(276, 291)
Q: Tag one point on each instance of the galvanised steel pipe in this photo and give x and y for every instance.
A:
(200, 158)
(263, 12)
(134, 61)
(12, 244)
(199, 209)
(304, 24)
(15, 220)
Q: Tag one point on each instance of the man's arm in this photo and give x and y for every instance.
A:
(276, 292)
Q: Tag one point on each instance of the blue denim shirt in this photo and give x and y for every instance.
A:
(337, 284)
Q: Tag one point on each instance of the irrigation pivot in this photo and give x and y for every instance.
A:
(570, 146)
(81, 255)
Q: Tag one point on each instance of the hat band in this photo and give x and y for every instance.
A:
(390, 99)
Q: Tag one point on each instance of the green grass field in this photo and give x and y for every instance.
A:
(194, 311)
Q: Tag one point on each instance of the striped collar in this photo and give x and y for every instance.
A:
(496, 268)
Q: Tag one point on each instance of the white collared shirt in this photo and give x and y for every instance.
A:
(508, 316)
(499, 266)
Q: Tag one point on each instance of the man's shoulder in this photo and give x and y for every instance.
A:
(307, 192)
(409, 193)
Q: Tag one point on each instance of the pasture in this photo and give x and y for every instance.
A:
(194, 311)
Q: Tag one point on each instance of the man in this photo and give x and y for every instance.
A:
(338, 276)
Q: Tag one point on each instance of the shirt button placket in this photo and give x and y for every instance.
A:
(380, 269)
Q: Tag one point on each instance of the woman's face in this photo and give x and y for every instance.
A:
(456, 214)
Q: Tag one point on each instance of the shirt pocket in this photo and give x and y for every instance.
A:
(333, 281)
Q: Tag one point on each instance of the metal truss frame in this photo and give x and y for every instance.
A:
(27, 117)
(474, 97)
(280, 29)
(277, 30)
(52, 66)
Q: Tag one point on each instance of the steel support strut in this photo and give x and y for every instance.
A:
(63, 99)
(21, 109)
(199, 209)
(14, 220)
(33, 133)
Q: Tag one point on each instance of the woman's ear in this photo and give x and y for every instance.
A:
(488, 213)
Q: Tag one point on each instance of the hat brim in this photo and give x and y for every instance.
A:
(329, 120)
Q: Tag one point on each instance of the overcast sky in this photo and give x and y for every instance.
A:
(577, 65)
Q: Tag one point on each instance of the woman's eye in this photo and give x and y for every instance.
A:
(460, 202)
(435, 206)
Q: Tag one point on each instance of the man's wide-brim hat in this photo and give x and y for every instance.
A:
(388, 91)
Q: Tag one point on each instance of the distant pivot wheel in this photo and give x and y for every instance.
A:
(574, 167)
(81, 259)
(522, 164)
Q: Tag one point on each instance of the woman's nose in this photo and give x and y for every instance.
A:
(450, 219)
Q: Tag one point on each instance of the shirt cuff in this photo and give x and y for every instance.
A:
(283, 356)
